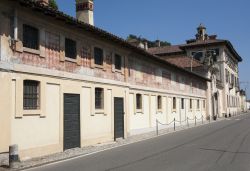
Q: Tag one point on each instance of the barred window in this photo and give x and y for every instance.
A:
(174, 103)
(99, 98)
(31, 95)
(30, 37)
(159, 102)
(118, 62)
(138, 101)
(70, 48)
(182, 103)
(98, 56)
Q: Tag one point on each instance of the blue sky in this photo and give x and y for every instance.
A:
(176, 21)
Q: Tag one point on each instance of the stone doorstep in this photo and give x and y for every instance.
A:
(77, 152)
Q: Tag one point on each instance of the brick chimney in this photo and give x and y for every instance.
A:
(44, 2)
(84, 11)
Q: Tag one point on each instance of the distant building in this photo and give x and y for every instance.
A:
(214, 58)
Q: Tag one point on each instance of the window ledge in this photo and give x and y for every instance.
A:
(70, 60)
(33, 51)
(99, 66)
(100, 111)
(159, 110)
(119, 71)
(32, 112)
(138, 111)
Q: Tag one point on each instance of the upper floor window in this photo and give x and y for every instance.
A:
(174, 103)
(31, 95)
(197, 55)
(98, 56)
(30, 37)
(138, 101)
(70, 48)
(99, 98)
(227, 75)
(159, 102)
(118, 62)
(190, 104)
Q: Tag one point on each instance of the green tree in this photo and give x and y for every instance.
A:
(53, 4)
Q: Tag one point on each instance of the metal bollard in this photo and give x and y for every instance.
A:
(13, 156)
(174, 123)
(157, 132)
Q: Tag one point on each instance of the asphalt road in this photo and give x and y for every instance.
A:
(223, 145)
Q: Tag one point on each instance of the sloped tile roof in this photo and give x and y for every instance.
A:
(183, 61)
(165, 49)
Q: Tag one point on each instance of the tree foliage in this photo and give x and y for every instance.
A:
(53, 4)
(150, 43)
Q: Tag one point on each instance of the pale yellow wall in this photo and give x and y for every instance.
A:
(139, 120)
(5, 110)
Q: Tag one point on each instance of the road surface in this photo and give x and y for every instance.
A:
(219, 146)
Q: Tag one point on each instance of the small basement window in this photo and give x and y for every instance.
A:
(182, 103)
(174, 103)
(99, 98)
(118, 62)
(198, 104)
(70, 48)
(159, 102)
(98, 56)
(138, 101)
(30, 37)
(190, 104)
(31, 95)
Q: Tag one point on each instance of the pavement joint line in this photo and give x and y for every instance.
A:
(122, 145)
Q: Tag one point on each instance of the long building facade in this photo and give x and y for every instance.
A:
(67, 84)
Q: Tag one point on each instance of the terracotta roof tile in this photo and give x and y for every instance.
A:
(183, 61)
(165, 49)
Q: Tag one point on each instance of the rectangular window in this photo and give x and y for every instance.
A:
(118, 62)
(159, 102)
(30, 37)
(182, 104)
(70, 48)
(31, 95)
(198, 104)
(99, 98)
(98, 56)
(138, 101)
(190, 104)
(197, 55)
(174, 103)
